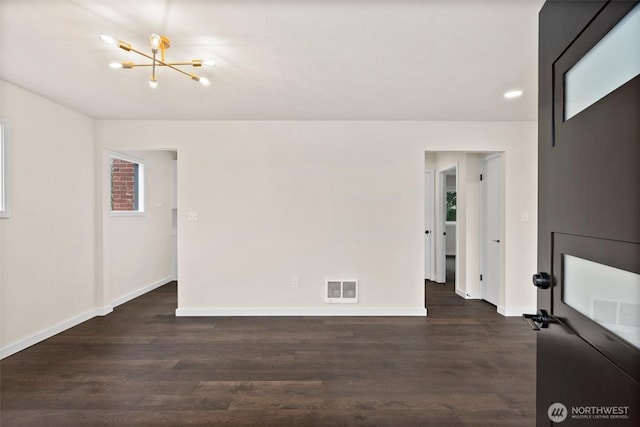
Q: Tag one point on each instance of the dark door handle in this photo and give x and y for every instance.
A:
(539, 320)
(542, 280)
(497, 241)
(427, 232)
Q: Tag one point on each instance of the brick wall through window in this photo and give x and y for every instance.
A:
(124, 176)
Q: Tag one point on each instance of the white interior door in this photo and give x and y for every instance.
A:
(490, 247)
(428, 224)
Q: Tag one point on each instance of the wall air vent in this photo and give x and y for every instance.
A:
(341, 291)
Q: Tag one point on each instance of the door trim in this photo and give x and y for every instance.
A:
(429, 205)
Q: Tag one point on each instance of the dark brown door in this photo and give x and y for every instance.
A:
(588, 356)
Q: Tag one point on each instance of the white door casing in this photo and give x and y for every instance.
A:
(428, 224)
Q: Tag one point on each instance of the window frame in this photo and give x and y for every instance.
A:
(139, 186)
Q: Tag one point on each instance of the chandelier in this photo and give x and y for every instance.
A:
(158, 45)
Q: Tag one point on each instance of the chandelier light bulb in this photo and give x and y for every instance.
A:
(209, 63)
(204, 81)
(155, 40)
(104, 38)
(115, 65)
(153, 82)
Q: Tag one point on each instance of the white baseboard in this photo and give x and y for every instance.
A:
(464, 295)
(515, 312)
(104, 311)
(48, 333)
(135, 294)
(337, 311)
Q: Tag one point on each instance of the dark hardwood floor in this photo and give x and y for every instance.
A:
(464, 365)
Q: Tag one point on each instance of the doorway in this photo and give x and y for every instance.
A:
(139, 248)
(456, 243)
(448, 203)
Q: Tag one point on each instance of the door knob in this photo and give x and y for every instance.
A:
(542, 280)
(539, 320)
(427, 232)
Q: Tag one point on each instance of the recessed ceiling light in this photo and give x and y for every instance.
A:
(513, 94)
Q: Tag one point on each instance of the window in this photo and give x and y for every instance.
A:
(614, 306)
(127, 185)
(4, 175)
(607, 66)
(451, 206)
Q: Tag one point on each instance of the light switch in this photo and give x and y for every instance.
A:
(193, 216)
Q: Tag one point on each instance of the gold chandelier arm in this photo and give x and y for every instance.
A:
(166, 64)
(153, 70)
(128, 48)
(160, 64)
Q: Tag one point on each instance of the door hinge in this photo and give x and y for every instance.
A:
(481, 277)
(480, 177)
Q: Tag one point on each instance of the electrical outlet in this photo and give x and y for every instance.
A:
(295, 282)
(193, 216)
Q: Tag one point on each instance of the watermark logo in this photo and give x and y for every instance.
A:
(557, 412)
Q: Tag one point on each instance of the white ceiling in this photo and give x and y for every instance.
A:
(280, 59)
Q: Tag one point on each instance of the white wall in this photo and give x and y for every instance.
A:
(51, 248)
(140, 245)
(521, 172)
(322, 199)
(278, 200)
(47, 256)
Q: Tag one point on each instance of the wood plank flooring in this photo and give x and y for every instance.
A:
(464, 365)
